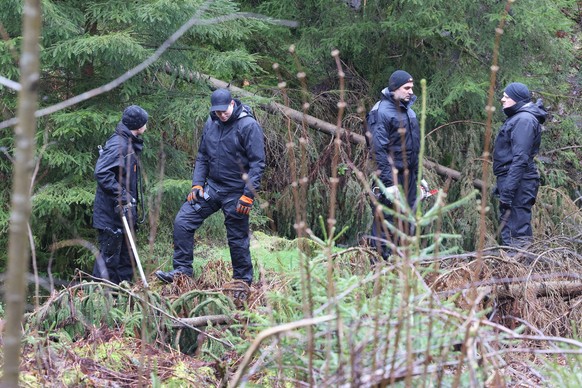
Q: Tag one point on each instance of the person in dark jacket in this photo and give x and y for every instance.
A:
(116, 173)
(394, 146)
(227, 174)
(516, 145)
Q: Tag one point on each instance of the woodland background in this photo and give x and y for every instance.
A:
(86, 44)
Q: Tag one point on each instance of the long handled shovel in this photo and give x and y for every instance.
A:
(134, 249)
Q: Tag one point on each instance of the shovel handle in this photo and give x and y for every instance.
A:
(134, 249)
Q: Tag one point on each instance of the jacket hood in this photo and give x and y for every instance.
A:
(122, 130)
(537, 109)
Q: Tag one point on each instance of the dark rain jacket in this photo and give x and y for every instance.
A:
(116, 173)
(384, 120)
(229, 150)
(516, 144)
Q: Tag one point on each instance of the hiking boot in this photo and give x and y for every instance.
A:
(168, 277)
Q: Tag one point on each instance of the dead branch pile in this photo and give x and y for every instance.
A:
(539, 287)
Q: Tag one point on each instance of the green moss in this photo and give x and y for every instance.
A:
(183, 375)
(72, 377)
(112, 354)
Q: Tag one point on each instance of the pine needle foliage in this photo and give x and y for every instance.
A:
(86, 44)
(79, 309)
(387, 325)
(372, 309)
(448, 44)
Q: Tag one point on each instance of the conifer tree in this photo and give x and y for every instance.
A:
(86, 44)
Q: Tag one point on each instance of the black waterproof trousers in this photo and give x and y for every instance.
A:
(114, 261)
(379, 238)
(190, 218)
(516, 230)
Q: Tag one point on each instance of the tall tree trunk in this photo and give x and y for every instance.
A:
(18, 245)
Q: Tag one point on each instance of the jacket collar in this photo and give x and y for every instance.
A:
(388, 95)
(122, 130)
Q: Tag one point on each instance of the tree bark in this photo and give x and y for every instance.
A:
(18, 243)
(310, 121)
(566, 289)
(203, 321)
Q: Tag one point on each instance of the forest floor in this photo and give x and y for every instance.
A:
(544, 298)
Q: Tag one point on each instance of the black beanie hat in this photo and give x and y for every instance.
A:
(134, 117)
(397, 79)
(518, 92)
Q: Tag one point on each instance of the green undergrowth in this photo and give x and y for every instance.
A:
(267, 252)
(107, 357)
(334, 320)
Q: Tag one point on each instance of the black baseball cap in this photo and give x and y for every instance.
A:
(220, 100)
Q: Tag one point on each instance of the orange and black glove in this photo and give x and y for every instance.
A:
(245, 204)
(196, 194)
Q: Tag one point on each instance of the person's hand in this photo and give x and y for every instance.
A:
(504, 211)
(126, 199)
(504, 207)
(245, 204)
(391, 192)
(127, 202)
(196, 194)
(495, 191)
(424, 189)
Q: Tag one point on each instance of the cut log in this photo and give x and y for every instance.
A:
(566, 289)
(519, 287)
(300, 117)
(202, 321)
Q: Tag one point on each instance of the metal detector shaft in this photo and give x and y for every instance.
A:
(134, 249)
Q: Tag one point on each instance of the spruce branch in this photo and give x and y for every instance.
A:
(195, 20)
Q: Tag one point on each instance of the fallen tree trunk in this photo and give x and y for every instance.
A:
(270, 106)
(202, 321)
(566, 289)
(518, 287)
(300, 117)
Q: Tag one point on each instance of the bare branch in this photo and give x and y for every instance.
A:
(194, 21)
(202, 321)
(271, 332)
(9, 83)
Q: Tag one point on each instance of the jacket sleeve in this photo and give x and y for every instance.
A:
(201, 166)
(110, 166)
(380, 127)
(254, 145)
(522, 138)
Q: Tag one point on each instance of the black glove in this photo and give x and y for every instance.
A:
(495, 191)
(196, 194)
(127, 202)
(504, 207)
(126, 199)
